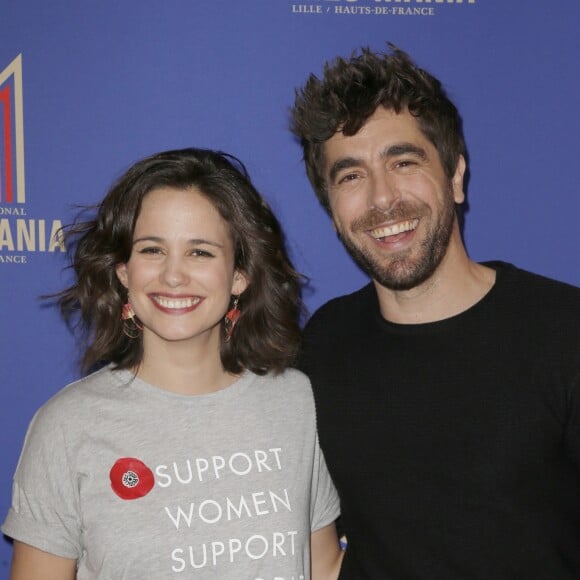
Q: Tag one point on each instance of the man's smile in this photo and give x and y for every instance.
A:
(394, 229)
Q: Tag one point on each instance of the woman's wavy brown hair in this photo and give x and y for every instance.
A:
(268, 331)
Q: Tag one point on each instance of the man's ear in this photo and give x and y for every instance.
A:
(457, 181)
(121, 271)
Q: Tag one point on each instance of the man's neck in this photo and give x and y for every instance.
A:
(457, 284)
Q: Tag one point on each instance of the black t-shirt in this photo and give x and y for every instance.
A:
(454, 445)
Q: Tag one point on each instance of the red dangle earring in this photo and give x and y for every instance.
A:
(131, 328)
(231, 318)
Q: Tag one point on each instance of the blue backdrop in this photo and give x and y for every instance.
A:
(86, 88)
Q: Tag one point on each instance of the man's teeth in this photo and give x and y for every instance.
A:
(176, 303)
(395, 229)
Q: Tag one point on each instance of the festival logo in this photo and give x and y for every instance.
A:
(374, 7)
(21, 235)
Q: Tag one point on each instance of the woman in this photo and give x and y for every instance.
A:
(193, 451)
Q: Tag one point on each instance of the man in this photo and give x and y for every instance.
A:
(448, 392)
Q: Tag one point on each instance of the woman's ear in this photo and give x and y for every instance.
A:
(239, 284)
(121, 271)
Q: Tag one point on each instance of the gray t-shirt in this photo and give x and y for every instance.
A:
(140, 483)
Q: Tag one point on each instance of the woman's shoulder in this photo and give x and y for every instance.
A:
(83, 393)
(291, 385)
(291, 377)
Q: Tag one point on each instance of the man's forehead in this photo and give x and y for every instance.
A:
(383, 128)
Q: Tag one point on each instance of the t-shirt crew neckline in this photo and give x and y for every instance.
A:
(127, 379)
(446, 323)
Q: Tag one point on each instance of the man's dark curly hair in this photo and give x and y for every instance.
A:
(268, 331)
(352, 90)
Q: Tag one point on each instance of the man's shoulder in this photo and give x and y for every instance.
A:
(334, 325)
(539, 301)
(346, 307)
(534, 285)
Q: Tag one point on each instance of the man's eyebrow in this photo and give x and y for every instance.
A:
(404, 149)
(340, 164)
(392, 151)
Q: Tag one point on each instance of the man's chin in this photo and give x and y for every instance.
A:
(401, 274)
(402, 283)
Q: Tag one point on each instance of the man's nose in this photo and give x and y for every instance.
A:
(383, 191)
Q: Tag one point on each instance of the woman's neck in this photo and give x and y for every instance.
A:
(179, 368)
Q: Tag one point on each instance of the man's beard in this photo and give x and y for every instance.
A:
(400, 271)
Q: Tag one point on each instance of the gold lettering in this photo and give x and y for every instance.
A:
(25, 236)
(41, 236)
(6, 240)
(56, 237)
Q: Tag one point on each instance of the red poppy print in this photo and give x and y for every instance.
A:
(131, 478)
